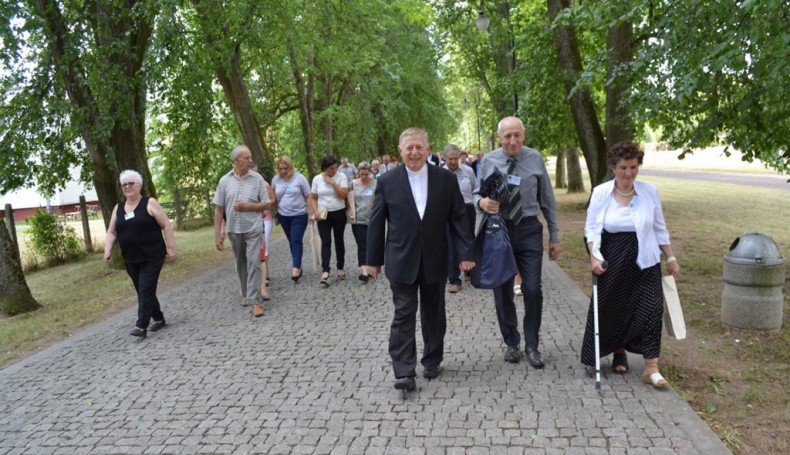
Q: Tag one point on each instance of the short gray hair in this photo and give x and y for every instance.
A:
(130, 173)
(234, 154)
(450, 148)
(413, 131)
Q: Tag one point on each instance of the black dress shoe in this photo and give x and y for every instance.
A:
(535, 358)
(363, 278)
(138, 332)
(406, 384)
(512, 355)
(157, 325)
(432, 372)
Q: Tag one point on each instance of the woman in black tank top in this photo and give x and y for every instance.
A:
(137, 224)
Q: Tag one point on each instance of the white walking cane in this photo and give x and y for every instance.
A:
(595, 329)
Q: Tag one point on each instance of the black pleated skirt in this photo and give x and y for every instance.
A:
(630, 303)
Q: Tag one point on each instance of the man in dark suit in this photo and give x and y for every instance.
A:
(417, 202)
(433, 159)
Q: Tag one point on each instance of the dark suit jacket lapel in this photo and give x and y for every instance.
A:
(433, 182)
(403, 182)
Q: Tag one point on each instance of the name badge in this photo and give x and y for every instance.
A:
(465, 179)
(513, 180)
(128, 216)
(368, 193)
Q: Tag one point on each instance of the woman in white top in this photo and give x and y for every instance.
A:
(625, 228)
(329, 191)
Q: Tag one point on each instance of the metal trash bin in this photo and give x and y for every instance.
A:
(754, 274)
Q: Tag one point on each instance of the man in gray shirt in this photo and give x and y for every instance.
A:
(385, 164)
(530, 194)
(466, 182)
(240, 199)
(348, 169)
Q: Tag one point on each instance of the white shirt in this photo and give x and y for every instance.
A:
(646, 213)
(419, 187)
(466, 181)
(618, 218)
(326, 193)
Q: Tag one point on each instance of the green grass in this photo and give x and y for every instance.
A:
(718, 369)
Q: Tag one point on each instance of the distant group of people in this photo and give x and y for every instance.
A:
(417, 220)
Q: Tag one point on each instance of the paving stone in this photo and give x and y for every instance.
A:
(313, 376)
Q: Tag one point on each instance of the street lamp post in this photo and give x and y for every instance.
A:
(477, 115)
(482, 25)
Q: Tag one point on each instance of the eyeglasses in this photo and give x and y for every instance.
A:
(128, 184)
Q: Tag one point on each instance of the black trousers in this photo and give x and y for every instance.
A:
(360, 232)
(402, 344)
(335, 223)
(527, 241)
(145, 276)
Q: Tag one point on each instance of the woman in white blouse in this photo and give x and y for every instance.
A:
(625, 228)
(329, 191)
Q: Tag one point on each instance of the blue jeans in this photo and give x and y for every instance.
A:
(294, 227)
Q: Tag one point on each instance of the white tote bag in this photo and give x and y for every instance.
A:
(673, 313)
(315, 246)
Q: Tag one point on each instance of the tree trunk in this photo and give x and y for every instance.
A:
(382, 142)
(126, 42)
(82, 99)
(588, 130)
(231, 78)
(209, 205)
(323, 105)
(559, 179)
(238, 97)
(575, 180)
(178, 208)
(619, 126)
(15, 296)
(304, 92)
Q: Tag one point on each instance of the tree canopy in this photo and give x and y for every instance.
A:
(103, 86)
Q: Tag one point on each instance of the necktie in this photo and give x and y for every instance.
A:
(513, 209)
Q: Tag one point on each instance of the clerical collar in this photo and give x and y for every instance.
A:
(422, 172)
